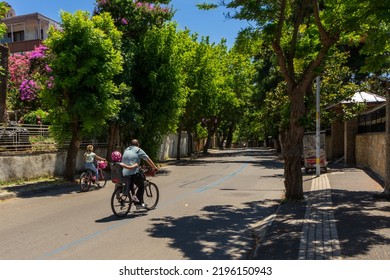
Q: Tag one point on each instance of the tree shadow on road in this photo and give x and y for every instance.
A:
(220, 232)
(42, 189)
(363, 225)
(264, 157)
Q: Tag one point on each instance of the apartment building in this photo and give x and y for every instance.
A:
(25, 32)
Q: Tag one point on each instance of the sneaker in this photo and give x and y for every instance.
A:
(134, 198)
(141, 206)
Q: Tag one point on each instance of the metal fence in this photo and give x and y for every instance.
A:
(34, 137)
(373, 121)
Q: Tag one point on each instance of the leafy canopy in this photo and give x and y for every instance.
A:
(85, 57)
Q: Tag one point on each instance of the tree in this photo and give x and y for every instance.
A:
(204, 81)
(85, 57)
(301, 33)
(158, 84)
(134, 19)
(238, 89)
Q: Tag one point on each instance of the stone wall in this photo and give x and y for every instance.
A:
(23, 165)
(371, 152)
(35, 165)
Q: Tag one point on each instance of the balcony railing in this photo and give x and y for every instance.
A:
(23, 46)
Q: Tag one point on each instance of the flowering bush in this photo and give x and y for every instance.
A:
(29, 74)
(28, 90)
(37, 53)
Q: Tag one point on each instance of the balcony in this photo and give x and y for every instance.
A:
(23, 46)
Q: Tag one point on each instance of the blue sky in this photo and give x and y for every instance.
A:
(205, 23)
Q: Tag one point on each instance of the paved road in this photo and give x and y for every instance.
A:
(205, 210)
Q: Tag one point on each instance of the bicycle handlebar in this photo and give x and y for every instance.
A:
(148, 171)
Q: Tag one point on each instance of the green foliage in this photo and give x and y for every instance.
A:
(200, 132)
(140, 23)
(157, 83)
(206, 6)
(135, 18)
(4, 7)
(35, 116)
(335, 87)
(304, 38)
(377, 49)
(84, 59)
(205, 81)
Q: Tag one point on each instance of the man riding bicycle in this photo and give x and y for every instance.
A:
(131, 160)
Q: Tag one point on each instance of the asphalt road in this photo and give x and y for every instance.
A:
(206, 208)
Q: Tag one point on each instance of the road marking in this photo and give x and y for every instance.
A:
(126, 221)
(81, 240)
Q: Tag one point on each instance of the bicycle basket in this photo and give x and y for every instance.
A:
(116, 173)
(149, 172)
(102, 164)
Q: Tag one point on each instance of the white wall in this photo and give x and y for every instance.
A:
(169, 146)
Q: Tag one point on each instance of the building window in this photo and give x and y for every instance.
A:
(18, 36)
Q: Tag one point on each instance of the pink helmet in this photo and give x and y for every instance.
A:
(116, 156)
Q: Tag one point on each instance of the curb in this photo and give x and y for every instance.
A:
(259, 230)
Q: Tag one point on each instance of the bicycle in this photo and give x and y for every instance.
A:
(87, 180)
(121, 201)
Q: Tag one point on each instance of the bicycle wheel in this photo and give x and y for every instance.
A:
(85, 183)
(151, 195)
(102, 179)
(120, 203)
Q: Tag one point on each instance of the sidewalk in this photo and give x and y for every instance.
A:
(339, 219)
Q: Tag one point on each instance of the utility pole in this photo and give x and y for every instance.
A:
(318, 129)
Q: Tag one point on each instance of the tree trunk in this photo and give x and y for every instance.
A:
(71, 158)
(113, 141)
(293, 148)
(222, 140)
(212, 125)
(3, 83)
(178, 147)
(229, 137)
(208, 142)
(190, 143)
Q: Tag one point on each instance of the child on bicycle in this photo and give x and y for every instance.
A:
(89, 160)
